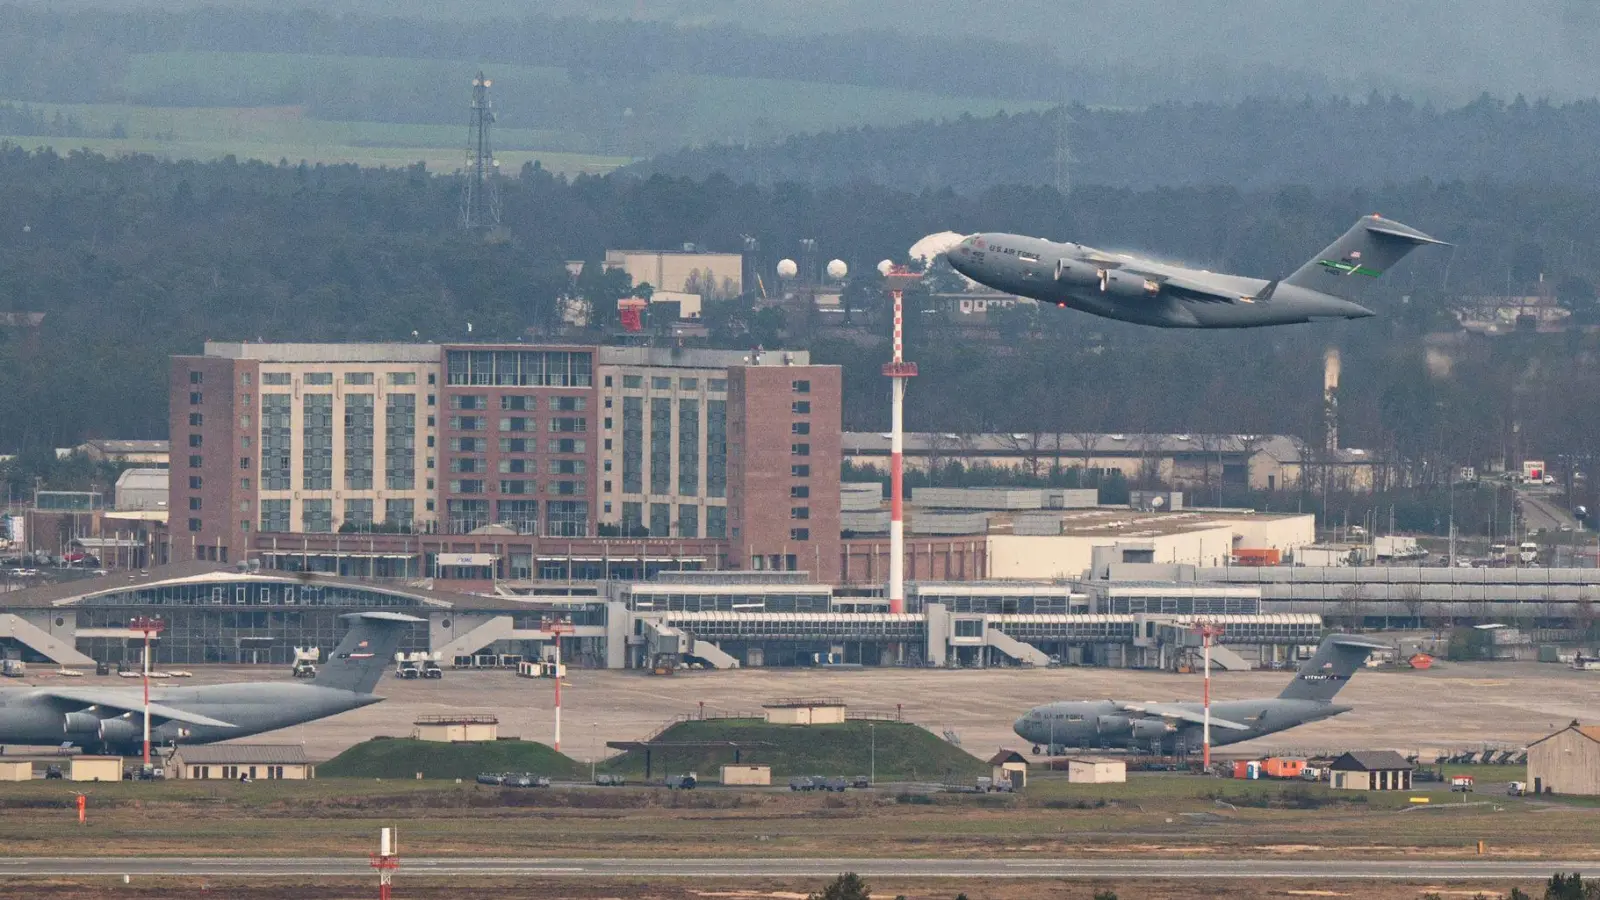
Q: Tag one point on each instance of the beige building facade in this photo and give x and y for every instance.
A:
(720, 275)
(1567, 762)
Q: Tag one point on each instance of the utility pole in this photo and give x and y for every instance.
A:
(872, 732)
(480, 191)
(556, 628)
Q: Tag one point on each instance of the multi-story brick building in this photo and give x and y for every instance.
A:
(544, 442)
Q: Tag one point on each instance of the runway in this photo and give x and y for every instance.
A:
(1124, 868)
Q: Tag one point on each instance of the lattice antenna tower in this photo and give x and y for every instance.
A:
(1063, 151)
(480, 189)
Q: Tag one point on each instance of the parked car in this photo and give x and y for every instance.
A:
(681, 782)
(491, 778)
(604, 780)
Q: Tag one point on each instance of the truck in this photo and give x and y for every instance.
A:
(684, 782)
(13, 668)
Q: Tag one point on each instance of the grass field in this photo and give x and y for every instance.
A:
(1182, 815)
(381, 111)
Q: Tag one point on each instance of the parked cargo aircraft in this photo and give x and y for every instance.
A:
(111, 720)
(1146, 292)
(1170, 727)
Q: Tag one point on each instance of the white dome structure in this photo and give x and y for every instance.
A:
(885, 267)
(837, 269)
(787, 268)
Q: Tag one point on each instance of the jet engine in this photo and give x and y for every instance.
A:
(1147, 729)
(1112, 725)
(81, 723)
(120, 731)
(1080, 273)
(1121, 284)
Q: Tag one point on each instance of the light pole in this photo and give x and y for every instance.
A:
(149, 626)
(1207, 632)
(872, 732)
(594, 748)
(556, 628)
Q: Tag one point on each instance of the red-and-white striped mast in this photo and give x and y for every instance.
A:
(149, 626)
(1207, 632)
(897, 279)
(556, 628)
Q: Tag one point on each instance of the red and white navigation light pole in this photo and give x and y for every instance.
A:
(896, 279)
(149, 626)
(386, 860)
(556, 628)
(1207, 632)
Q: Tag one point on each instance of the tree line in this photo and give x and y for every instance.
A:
(134, 259)
(1326, 143)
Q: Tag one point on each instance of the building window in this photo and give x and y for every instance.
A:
(469, 445)
(516, 423)
(195, 398)
(800, 491)
(196, 462)
(276, 438)
(466, 515)
(689, 447)
(607, 425)
(660, 520)
(800, 512)
(360, 430)
(195, 440)
(278, 378)
(196, 377)
(194, 482)
(567, 488)
(517, 486)
(244, 525)
(196, 420)
(317, 516)
(632, 519)
(244, 484)
(317, 442)
(518, 467)
(660, 383)
(688, 384)
(716, 448)
(634, 382)
(466, 423)
(607, 489)
(568, 404)
(399, 513)
(569, 425)
(521, 516)
(518, 402)
(357, 515)
(800, 407)
(400, 439)
(469, 401)
(567, 518)
(800, 387)
(194, 503)
(467, 486)
(802, 471)
(569, 467)
(469, 464)
(800, 449)
(320, 379)
(800, 428)
(633, 444)
(194, 525)
(401, 379)
(661, 444)
(717, 385)
(519, 445)
(244, 462)
(358, 378)
(608, 381)
(716, 521)
(568, 445)
(244, 421)
(688, 520)
(799, 534)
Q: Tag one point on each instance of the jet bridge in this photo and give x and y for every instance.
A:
(47, 645)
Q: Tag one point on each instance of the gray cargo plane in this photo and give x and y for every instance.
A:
(111, 720)
(1146, 292)
(1170, 727)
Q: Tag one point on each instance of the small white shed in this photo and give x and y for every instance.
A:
(1096, 770)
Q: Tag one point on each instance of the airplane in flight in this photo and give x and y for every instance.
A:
(1146, 292)
(1172, 727)
(111, 720)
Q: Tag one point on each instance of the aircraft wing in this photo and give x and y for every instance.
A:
(1173, 711)
(108, 700)
(1189, 288)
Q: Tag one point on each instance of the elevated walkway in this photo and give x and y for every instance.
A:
(1024, 653)
(40, 641)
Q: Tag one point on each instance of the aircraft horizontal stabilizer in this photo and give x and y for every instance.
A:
(1171, 711)
(107, 700)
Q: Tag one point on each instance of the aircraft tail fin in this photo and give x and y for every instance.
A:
(1329, 669)
(361, 658)
(1367, 250)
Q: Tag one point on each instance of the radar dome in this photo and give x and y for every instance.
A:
(885, 267)
(935, 244)
(787, 268)
(837, 269)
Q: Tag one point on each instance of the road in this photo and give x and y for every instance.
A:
(1164, 867)
(1544, 510)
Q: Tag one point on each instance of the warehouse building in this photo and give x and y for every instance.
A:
(1370, 770)
(233, 762)
(1567, 762)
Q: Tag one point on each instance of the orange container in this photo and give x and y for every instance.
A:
(1421, 661)
(1264, 556)
(1283, 767)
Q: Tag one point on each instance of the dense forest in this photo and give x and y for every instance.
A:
(1330, 143)
(134, 259)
